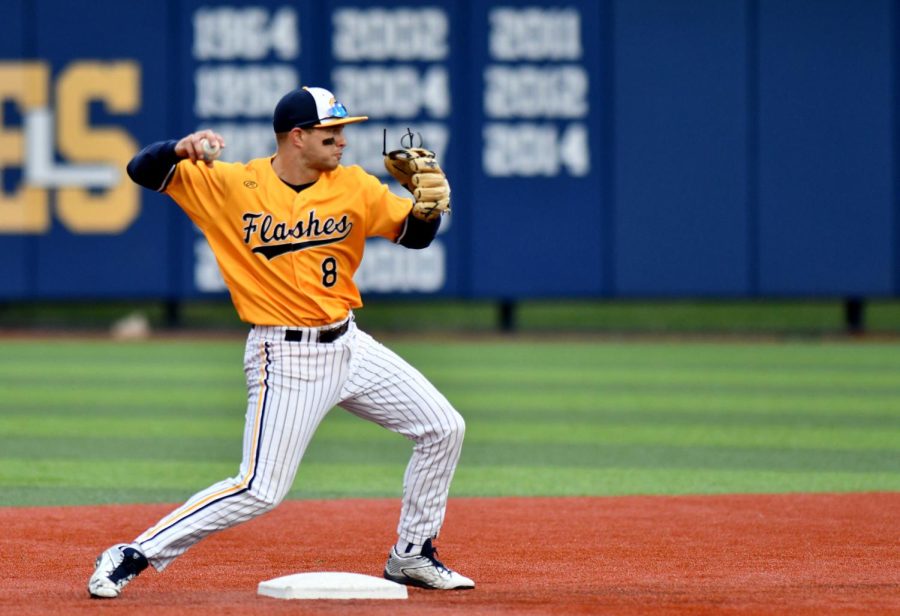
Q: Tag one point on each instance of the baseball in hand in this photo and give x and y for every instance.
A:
(211, 151)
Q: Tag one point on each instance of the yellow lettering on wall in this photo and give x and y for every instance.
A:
(26, 210)
(117, 85)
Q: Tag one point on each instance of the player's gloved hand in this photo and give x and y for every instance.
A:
(418, 171)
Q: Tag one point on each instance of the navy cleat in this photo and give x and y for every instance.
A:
(114, 569)
(424, 570)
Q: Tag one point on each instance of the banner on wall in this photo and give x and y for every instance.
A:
(643, 156)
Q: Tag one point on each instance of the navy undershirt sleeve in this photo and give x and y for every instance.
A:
(418, 233)
(151, 166)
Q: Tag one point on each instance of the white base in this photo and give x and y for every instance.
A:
(331, 585)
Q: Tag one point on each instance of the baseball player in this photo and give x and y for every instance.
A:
(288, 232)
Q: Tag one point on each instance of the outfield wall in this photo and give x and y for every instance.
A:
(620, 148)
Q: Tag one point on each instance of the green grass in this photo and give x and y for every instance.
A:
(782, 317)
(97, 421)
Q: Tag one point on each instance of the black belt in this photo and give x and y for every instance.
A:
(323, 335)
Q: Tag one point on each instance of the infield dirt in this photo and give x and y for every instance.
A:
(747, 554)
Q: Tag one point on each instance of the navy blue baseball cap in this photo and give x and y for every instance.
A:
(310, 108)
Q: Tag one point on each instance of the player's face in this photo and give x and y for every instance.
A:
(324, 147)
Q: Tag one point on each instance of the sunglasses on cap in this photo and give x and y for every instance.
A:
(337, 111)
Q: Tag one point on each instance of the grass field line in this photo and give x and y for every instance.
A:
(315, 480)
(64, 391)
(841, 438)
(520, 481)
(884, 378)
(715, 407)
(811, 354)
(718, 402)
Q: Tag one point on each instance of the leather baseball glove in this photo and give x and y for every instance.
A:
(418, 172)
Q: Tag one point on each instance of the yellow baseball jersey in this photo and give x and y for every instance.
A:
(288, 258)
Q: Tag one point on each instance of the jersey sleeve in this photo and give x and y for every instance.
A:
(198, 188)
(386, 212)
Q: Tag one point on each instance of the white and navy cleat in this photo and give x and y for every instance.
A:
(424, 570)
(114, 569)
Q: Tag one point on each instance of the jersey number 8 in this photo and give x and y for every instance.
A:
(329, 272)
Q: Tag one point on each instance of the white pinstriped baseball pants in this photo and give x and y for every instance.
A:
(291, 387)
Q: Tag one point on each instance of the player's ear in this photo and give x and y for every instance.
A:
(296, 137)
